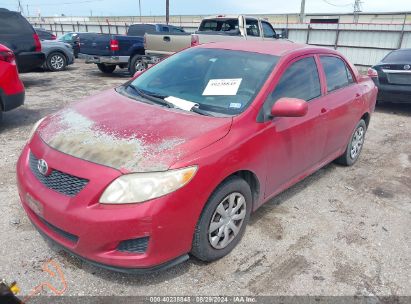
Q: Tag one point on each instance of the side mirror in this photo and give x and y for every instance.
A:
(289, 107)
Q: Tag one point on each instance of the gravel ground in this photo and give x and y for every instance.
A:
(341, 231)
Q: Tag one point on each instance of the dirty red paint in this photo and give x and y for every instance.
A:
(278, 152)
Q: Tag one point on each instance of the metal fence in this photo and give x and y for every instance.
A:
(364, 44)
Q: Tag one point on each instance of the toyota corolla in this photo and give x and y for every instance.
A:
(174, 161)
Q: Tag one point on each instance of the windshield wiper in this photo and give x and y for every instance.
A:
(201, 112)
(160, 99)
(152, 97)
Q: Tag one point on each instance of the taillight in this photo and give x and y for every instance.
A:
(114, 45)
(372, 73)
(8, 56)
(145, 42)
(37, 43)
(195, 40)
(53, 37)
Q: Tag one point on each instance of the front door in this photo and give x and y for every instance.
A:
(295, 144)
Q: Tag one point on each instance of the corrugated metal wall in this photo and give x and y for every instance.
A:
(363, 44)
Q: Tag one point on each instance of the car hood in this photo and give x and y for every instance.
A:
(113, 130)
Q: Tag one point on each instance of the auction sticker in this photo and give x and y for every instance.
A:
(222, 87)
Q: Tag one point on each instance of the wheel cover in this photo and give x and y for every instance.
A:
(57, 62)
(139, 66)
(227, 220)
(357, 142)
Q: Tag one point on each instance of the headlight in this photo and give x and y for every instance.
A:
(140, 187)
(36, 125)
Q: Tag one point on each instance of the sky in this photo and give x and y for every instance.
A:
(196, 7)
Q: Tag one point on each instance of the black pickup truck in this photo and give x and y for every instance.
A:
(109, 51)
(18, 35)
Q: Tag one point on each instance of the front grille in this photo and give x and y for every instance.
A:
(58, 181)
(135, 245)
(71, 237)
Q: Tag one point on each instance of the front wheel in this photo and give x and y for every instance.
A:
(107, 69)
(354, 147)
(56, 62)
(223, 220)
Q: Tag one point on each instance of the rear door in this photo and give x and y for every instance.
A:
(343, 103)
(295, 144)
(15, 32)
(252, 29)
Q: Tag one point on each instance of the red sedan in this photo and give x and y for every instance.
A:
(175, 161)
(11, 87)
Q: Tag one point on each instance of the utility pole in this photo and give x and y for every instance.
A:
(139, 9)
(20, 7)
(302, 11)
(357, 10)
(167, 11)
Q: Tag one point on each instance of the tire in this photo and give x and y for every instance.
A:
(56, 61)
(136, 64)
(354, 147)
(211, 245)
(107, 69)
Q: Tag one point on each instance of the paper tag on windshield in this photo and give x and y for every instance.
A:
(181, 103)
(222, 87)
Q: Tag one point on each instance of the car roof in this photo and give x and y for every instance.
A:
(276, 48)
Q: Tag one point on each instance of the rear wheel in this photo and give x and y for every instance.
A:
(137, 64)
(56, 62)
(223, 220)
(354, 147)
(107, 69)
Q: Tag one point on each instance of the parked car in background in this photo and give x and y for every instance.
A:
(45, 34)
(18, 35)
(392, 76)
(125, 51)
(11, 87)
(211, 29)
(58, 55)
(175, 160)
(73, 39)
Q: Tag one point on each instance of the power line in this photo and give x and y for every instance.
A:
(337, 5)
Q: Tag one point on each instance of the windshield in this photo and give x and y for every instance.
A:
(400, 56)
(216, 80)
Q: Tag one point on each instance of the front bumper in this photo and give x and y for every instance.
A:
(98, 229)
(105, 59)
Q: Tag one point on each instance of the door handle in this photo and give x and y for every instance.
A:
(323, 110)
(166, 39)
(357, 95)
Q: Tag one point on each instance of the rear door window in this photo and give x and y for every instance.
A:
(337, 73)
(13, 23)
(252, 27)
(141, 29)
(300, 80)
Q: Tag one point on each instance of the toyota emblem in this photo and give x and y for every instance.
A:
(42, 166)
(407, 67)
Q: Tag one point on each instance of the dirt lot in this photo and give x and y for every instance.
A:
(342, 231)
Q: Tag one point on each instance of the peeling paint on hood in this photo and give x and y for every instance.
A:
(123, 134)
